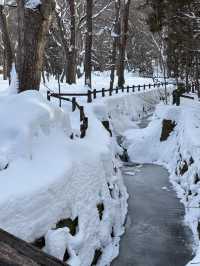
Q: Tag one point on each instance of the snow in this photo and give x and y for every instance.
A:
(32, 4)
(46, 176)
(181, 147)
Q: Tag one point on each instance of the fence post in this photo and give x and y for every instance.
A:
(86, 122)
(82, 130)
(149, 86)
(89, 96)
(138, 87)
(81, 113)
(127, 88)
(95, 93)
(73, 104)
(103, 92)
(48, 96)
(154, 85)
(144, 87)
(133, 88)
(110, 92)
(116, 90)
(122, 88)
(192, 88)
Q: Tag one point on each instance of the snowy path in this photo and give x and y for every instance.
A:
(155, 234)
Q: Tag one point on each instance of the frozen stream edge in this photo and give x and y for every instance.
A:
(155, 231)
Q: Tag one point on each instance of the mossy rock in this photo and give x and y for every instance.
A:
(196, 179)
(106, 125)
(97, 256)
(71, 224)
(110, 190)
(191, 161)
(100, 208)
(184, 168)
(167, 128)
(39, 242)
(66, 256)
(124, 157)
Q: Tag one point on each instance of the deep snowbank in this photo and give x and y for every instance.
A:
(49, 180)
(47, 177)
(180, 153)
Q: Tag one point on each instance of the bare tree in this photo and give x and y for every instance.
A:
(33, 26)
(71, 75)
(116, 35)
(8, 53)
(123, 41)
(88, 44)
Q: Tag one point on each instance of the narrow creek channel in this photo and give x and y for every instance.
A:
(155, 231)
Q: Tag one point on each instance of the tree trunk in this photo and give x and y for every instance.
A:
(116, 35)
(8, 53)
(65, 47)
(33, 26)
(88, 45)
(123, 42)
(71, 75)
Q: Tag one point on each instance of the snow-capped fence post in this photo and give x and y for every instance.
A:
(103, 92)
(95, 93)
(144, 87)
(89, 100)
(133, 88)
(127, 88)
(73, 104)
(48, 96)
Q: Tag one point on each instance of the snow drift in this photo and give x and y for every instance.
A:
(48, 179)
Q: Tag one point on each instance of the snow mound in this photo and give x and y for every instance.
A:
(24, 118)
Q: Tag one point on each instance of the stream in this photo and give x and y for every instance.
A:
(155, 231)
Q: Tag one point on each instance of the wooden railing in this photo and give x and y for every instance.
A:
(93, 94)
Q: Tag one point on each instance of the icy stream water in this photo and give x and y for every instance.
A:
(155, 231)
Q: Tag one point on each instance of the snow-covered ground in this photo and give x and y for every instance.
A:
(99, 81)
(179, 153)
(46, 176)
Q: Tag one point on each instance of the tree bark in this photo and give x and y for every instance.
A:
(88, 44)
(123, 42)
(116, 37)
(65, 47)
(71, 75)
(33, 26)
(8, 53)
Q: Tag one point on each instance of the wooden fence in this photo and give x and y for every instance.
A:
(93, 94)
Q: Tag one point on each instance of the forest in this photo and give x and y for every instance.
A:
(99, 132)
(68, 39)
